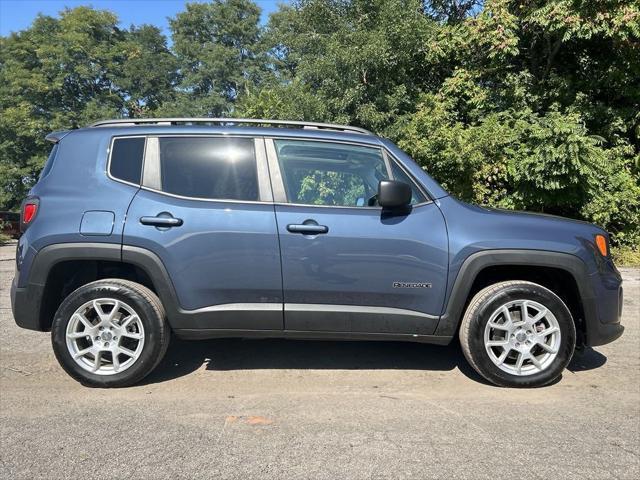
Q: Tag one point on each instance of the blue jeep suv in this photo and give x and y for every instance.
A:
(208, 228)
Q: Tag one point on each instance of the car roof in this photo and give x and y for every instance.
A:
(251, 131)
(227, 126)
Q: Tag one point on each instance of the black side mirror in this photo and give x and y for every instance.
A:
(393, 194)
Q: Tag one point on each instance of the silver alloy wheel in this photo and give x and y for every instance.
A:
(522, 337)
(105, 336)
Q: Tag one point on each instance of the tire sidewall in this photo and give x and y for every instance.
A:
(151, 323)
(509, 294)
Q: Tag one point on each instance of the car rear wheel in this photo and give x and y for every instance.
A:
(110, 333)
(518, 334)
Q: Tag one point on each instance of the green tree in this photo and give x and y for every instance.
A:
(217, 45)
(360, 62)
(65, 72)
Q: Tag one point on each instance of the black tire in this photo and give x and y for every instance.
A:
(148, 308)
(478, 313)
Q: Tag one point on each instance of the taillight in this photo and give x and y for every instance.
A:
(29, 211)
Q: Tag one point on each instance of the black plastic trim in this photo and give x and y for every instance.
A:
(597, 333)
(204, 334)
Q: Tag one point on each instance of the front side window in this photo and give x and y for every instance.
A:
(207, 167)
(398, 174)
(332, 174)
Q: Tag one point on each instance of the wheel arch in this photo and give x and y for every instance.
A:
(61, 268)
(564, 274)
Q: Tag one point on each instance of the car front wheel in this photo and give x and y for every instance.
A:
(518, 334)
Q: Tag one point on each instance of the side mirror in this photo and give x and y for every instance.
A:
(393, 194)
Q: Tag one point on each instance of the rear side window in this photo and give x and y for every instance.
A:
(126, 159)
(49, 163)
(208, 167)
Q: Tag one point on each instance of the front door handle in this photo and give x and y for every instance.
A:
(161, 221)
(309, 227)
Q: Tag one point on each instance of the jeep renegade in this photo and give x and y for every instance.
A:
(206, 228)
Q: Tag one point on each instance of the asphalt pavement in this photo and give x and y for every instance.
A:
(247, 409)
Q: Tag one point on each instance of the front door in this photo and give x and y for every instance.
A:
(347, 265)
(206, 210)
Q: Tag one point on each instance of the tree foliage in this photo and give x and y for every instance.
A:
(527, 104)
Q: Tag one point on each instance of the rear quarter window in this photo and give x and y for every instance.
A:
(126, 159)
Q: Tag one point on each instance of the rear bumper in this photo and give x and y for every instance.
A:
(25, 305)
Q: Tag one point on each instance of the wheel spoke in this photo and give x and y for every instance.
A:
(548, 331)
(535, 361)
(497, 343)
(114, 312)
(519, 362)
(84, 320)
(127, 352)
(96, 361)
(116, 361)
(82, 353)
(548, 348)
(507, 316)
(541, 314)
(524, 313)
(98, 308)
(135, 336)
(503, 356)
(125, 323)
(500, 326)
(77, 335)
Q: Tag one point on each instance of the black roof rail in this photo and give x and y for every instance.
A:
(229, 121)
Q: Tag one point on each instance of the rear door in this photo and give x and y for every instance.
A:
(205, 208)
(347, 265)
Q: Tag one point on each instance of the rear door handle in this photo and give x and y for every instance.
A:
(163, 221)
(308, 228)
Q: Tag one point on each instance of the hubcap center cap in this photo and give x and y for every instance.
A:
(521, 336)
(106, 336)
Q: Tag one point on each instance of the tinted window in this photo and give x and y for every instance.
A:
(399, 174)
(216, 168)
(324, 173)
(49, 163)
(126, 159)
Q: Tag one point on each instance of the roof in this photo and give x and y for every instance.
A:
(230, 126)
(229, 121)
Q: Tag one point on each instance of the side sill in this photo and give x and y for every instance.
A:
(205, 334)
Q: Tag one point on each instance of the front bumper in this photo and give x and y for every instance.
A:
(603, 309)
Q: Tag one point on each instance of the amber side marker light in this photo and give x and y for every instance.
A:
(601, 243)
